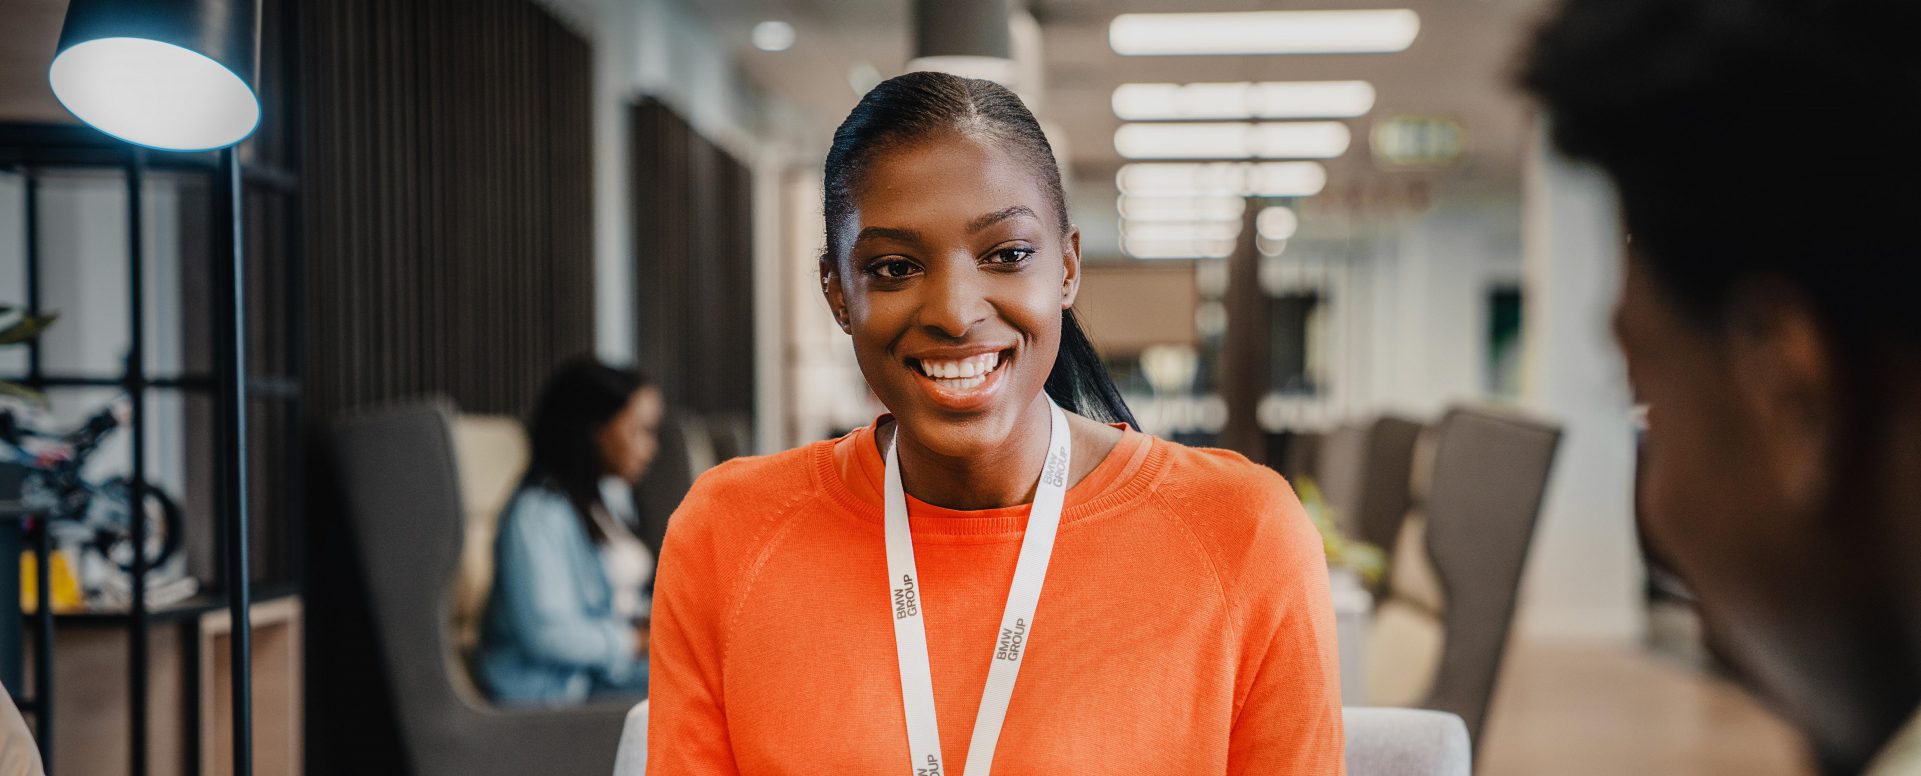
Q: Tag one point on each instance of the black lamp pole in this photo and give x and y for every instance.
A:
(231, 311)
(102, 71)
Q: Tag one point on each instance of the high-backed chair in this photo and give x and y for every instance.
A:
(490, 453)
(1439, 632)
(402, 490)
(1364, 471)
(686, 449)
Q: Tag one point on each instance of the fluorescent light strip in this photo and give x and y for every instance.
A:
(1220, 207)
(1177, 249)
(1270, 100)
(1264, 32)
(1167, 231)
(1233, 140)
(1242, 179)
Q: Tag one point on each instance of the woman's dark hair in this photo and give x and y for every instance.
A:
(916, 106)
(580, 396)
(1751, 139)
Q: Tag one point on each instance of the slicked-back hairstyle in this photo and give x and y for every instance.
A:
(1752, 140)
(916, 106)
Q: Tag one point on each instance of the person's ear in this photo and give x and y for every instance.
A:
(836, 296)
(1071, 267)
(1783, 365)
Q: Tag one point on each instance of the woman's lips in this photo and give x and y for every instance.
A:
(961, 384)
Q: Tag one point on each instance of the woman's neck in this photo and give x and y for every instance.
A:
(1001, 475)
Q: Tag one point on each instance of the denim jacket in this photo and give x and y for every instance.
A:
(550, 632)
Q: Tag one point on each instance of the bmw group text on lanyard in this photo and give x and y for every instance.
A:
(1017, 622)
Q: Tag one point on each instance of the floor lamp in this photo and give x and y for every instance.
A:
(175, 75)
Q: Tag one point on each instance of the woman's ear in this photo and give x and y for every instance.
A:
(836, 296)
(1071, 267)
(1784, 374)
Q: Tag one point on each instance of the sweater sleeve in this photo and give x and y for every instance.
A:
(686, 721)
(1290, 719)
(539, 599)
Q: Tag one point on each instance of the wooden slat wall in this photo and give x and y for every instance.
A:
(693, 253)
(447, 182)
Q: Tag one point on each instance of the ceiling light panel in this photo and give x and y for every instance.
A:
(1243, 179)
(1177, 248)
(1217, 207)
(1271, 100)
(1264, 32)
(1233, 140)
(1210, 231)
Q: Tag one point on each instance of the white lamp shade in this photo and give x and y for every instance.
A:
(154, 94)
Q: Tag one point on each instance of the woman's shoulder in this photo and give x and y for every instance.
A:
(755, 483)
(754, 477)
(732, 509)
(1245, 514)
(1216, 474)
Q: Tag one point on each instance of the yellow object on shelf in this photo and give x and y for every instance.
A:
(65, 593)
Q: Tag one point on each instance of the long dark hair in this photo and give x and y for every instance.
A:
(915, 106)
(579, 398)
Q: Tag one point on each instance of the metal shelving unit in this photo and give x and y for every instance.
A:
(34, 151)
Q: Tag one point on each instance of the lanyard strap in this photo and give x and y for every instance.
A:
(1017, 622)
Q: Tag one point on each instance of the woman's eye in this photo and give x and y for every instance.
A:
(1009, 256)
(892, 269)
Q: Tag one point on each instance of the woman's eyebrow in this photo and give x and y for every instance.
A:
(888, 233)
(998, 216)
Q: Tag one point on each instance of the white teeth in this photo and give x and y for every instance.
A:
(966, 372)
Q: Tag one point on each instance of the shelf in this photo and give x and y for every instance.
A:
(258, 387)
(190, 608)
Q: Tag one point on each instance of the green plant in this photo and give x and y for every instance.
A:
(23, 328)
(1365, 559)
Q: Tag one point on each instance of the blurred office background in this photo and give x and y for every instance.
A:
(1356, 263)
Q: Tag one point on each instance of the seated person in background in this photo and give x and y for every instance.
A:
(566, 620)
(1763, 151)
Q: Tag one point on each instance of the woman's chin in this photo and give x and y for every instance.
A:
(983, 433)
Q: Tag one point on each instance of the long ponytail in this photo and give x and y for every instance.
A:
(1080, 381)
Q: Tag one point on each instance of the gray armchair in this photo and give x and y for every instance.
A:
(1406, 742)
(1440, 630)
(402, 490)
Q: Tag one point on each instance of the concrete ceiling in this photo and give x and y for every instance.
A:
(1458, 68)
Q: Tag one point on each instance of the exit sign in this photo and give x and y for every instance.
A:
(1418, 141)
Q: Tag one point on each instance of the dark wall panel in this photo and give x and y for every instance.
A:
(693, 254)
(447, 241)
(448, 176)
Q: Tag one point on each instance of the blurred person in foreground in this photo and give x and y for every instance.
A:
(565, 622)
(1763, 154)
(19, 755)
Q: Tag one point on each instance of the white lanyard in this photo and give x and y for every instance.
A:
(1017, 622)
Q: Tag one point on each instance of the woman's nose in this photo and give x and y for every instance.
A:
(955, 301)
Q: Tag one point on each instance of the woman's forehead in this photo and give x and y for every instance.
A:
(951, 177)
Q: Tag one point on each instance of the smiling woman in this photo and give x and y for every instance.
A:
(1185, 624)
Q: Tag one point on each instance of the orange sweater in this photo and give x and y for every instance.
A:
(1185, 626)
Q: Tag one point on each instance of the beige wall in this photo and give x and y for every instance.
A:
(1127, 307)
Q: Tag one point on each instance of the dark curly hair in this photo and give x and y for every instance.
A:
(1752, 139)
